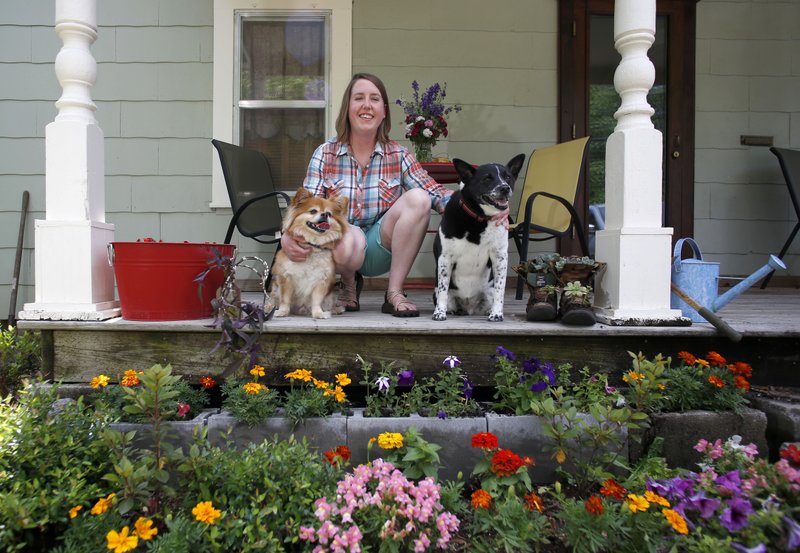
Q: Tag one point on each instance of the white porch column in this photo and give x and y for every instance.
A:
(73, 279)
(636, 286)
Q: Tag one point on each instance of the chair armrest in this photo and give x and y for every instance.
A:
(259, 198)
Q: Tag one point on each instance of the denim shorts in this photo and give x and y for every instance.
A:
(377, 259)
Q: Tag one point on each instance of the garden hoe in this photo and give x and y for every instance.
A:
(724, 328)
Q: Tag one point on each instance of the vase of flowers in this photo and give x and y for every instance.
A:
(426, 118)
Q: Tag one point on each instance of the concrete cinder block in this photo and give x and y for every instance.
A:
(453, 434)
(783, 421)
(682, 431)
(322, 433)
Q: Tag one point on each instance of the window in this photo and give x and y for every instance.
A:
(279, 74)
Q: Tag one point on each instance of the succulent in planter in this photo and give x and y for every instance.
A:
(576, 304)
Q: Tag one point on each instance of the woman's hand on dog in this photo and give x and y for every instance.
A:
(295, 248)
(501, 219)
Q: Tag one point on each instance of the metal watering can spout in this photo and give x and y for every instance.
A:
(721, 301)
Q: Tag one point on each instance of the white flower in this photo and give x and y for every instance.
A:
(419, 118)
(451, 360)
(382, 383)
(409, 127)
(427, 133)
(620, 401)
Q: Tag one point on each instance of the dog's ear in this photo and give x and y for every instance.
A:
(301, 195)
(515, 165)
(341, 205)
(464, 169)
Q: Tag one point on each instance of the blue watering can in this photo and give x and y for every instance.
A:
(700, 280)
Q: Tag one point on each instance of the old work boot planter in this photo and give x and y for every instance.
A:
(577, 277)
(575, 307)
(543, 302)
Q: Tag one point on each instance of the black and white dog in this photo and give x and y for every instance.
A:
(471, 250)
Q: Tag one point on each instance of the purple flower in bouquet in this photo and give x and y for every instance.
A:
(426, 114)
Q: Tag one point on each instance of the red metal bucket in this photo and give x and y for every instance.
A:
(156, 280)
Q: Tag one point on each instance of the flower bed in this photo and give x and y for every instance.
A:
(358, 483)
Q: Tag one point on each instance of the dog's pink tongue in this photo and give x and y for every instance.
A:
(324, 226)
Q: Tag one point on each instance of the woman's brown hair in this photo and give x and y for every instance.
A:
(343, 121)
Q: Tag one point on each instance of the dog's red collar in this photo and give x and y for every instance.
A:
(469, 211)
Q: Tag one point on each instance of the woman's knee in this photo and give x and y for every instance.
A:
(349, 252)
(418, 200)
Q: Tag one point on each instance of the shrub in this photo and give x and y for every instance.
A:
(20, 359)
(265, 491)
(49, 462)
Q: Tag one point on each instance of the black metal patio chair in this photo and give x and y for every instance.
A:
(251, 189)
(790, 165)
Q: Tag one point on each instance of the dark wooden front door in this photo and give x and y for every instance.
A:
(587, 99)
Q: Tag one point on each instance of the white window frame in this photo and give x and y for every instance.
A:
(340, 13)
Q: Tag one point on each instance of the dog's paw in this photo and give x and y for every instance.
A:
(281, 313)
(337, 309)
(495, 317)
(320, 314)
(439, 315)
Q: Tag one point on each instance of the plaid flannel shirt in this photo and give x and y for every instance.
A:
(333, 171)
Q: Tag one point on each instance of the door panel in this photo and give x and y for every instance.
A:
(587, 99)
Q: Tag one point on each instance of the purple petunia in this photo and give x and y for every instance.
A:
(503, 352)
(539, 386)
(468, 387)
(735, 515)
(704, 505)
(674, 488)
(442, 414)
(760, 548)
(793, 527)
(530, 366)
(405, 378)
(730, 483)
(451, 360)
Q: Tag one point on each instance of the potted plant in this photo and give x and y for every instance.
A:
(697, 397)
(426, 118)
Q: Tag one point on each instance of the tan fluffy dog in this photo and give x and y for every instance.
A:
(307, 287)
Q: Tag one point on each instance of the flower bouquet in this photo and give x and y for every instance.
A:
(425, 118)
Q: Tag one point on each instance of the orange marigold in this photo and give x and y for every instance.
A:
(612, 489)
(505, 463)
(481, 499)
(594, 505)
(716, 381)
(687, 357)
(485, 440)
(715, 359)
(533, 502)
(741, 368)
(741, 382)
(130, 378)
(207, 382)
(341, 454)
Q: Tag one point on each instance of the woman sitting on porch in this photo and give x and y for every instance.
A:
(391, 197)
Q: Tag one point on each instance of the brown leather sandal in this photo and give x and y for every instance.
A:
(394, 300)
(350, 296)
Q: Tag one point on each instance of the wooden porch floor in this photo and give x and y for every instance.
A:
(769, 321)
